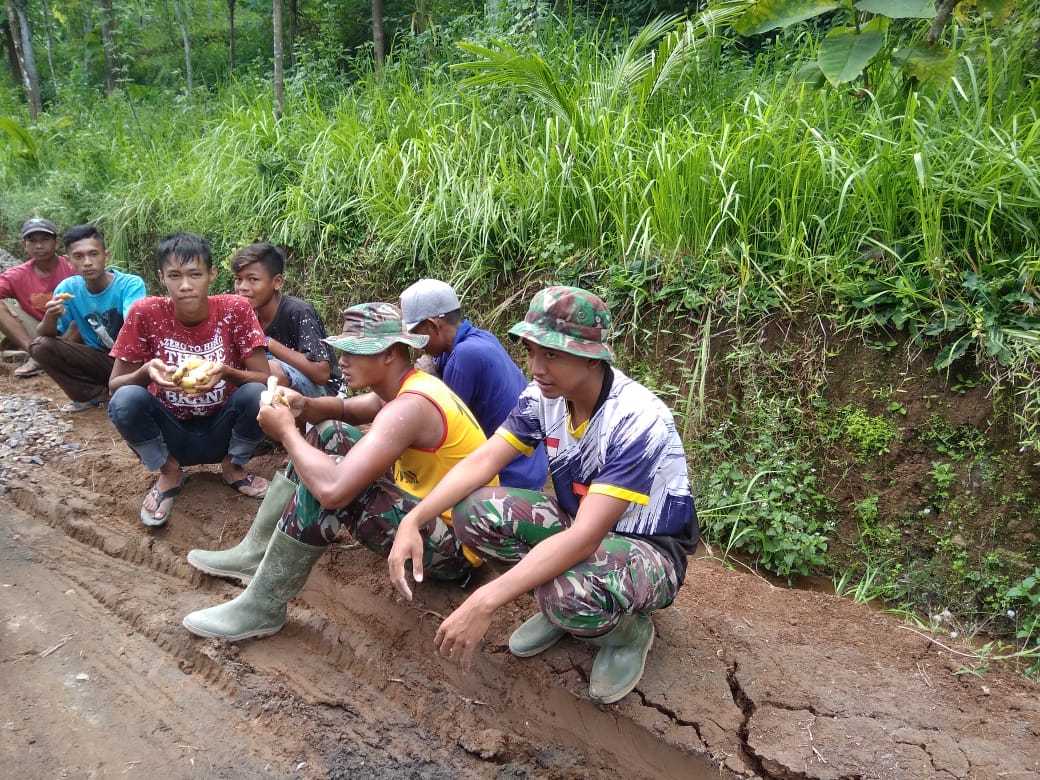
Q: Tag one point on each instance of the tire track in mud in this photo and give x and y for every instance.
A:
(101, 701)
(150, 602)
(357, 669)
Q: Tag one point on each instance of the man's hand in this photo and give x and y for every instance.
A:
(277, 420)
(55, 307)
(209, 380)
(408, 546)
(160, 373)
(459, 635)
(276, 395)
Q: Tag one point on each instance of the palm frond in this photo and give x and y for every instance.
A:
(503, 65)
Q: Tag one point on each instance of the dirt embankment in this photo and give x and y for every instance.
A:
(745, 679)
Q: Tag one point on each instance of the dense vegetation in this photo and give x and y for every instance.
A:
(847, 175)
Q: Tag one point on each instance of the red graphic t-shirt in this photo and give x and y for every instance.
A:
(228, 335)
(31, 290)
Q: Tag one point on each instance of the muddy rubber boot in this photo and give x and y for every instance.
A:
(535, 635)
(261, 608)
(240, 562)
(621, 659)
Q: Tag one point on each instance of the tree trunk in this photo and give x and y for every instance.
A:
(279, 74)
(108, 44)
(231, 33)
(50, 38)
(88, 29)
(21, 35)
(939, 22)
(294, 29)
(12, 55)
(182, 20)
(378, 41)
(420, 17)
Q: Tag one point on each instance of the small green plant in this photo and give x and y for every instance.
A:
(863, 434)
(884, 345)
(962, 384)
(873, 585)
(1023, 602)
(867, 509)
(955, 443)
(943, 478)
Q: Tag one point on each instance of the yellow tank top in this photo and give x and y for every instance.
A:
(420, 468)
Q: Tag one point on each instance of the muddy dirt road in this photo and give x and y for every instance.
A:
(100, 680)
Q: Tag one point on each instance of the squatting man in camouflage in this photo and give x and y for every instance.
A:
(339, 477)
(611, 546)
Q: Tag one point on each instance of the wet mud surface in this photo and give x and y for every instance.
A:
(745, 679)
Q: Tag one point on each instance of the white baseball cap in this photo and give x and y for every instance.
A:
(425, 299)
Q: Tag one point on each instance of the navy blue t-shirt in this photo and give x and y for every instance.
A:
(480, 372)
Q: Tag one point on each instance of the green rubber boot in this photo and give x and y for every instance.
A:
(261, 608)
(240, 562)
(535, 635)
(621, 658)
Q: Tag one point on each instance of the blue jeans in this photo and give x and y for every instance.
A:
(299, 381)
(155, 434)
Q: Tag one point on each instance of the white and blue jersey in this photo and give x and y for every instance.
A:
(629, 449)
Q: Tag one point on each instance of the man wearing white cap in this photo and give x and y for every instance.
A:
(475, 365)
(26, 288)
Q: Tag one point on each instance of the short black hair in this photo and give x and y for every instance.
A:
(452, 317)
(183, 247)
(80, 232)
(272, 258)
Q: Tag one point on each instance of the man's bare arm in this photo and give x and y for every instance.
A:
(404, 422)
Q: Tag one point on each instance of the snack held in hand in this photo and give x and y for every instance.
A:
(192, 372)
(273, 395)
(64, 296)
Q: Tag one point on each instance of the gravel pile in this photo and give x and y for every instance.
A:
(7, 260)
(30, 434)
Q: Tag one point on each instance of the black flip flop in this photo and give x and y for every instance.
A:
(148, 518)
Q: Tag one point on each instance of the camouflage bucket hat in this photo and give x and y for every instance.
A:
(567, 319)
(369, 328)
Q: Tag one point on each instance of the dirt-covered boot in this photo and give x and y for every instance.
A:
(261, 608)
(240, 562)
(621, 658)
(535, 635)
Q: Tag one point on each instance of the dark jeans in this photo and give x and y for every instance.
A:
(155, 434)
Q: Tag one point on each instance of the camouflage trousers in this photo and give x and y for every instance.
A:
(371, 518)
(623, 576)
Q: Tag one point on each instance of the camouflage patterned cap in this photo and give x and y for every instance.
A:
(567, 319)
(369, 328)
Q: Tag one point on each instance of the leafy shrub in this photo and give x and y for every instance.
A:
(767, 504)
